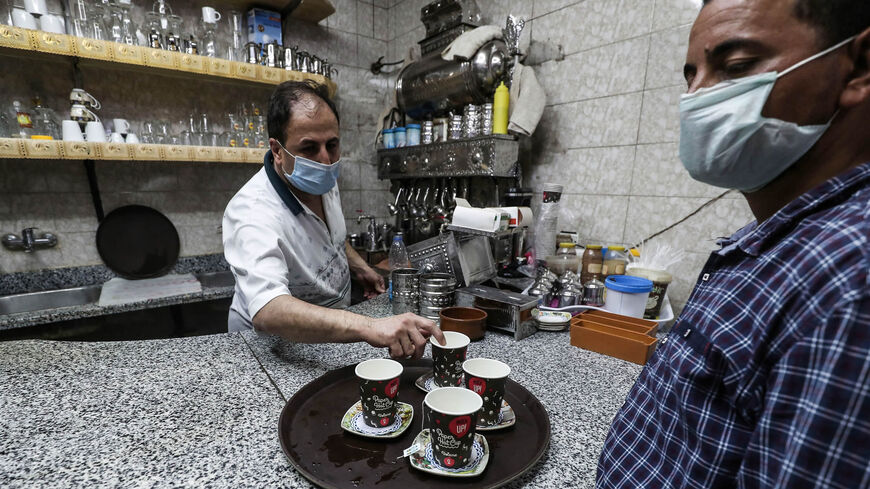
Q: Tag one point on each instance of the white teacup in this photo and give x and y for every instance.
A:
(210, 15)
(22, 18)
(121, 126)
(52, 23)
(116, 137)
(80, 113)
(72, 131)
(95, 132)
(79, 96)
(132, 139)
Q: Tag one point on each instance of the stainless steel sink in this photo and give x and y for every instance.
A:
(49, 299)
(78, 296)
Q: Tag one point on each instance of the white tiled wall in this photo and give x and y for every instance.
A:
(54, 195)
(610, 131)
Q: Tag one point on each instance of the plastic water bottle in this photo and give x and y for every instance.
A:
(547, 221)
(398, 258)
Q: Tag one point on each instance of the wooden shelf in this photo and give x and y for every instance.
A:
(17, 40)
(38, 149)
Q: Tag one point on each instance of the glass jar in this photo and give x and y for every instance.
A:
(567, 249)
(614, 261)
(592, 263)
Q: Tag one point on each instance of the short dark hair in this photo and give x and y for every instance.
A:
(836, 20)
(285, 97)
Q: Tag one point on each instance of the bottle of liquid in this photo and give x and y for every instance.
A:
(24, 127)
(614, 261)
(398, 258)
(500, 109)
(547, 222)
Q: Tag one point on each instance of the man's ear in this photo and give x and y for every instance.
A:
(857, 90)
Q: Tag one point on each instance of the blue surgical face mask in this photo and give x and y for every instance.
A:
(310, 176)
(726, 142)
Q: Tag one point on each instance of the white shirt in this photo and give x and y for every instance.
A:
(275, 246)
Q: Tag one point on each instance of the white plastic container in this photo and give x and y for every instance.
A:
(627, 295)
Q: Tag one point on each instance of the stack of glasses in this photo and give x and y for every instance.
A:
(437, 291)
(406, 290)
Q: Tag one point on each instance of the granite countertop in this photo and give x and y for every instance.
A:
(203, 411)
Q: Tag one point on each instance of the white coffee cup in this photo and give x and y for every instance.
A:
(210, 15)
(95, 132)
(132, 139)
(79, 96)
(121, 126)
(22, 18)
(35, 7)
(116, 137)
(80, 113)
(52, 23)
(72, 131)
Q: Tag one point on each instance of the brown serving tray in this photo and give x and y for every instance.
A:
(644, 326)
(312, 439)
(613, 341)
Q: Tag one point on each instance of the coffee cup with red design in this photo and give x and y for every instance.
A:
(452, 420)
(379, 390)
(447, 359)
(487, 377)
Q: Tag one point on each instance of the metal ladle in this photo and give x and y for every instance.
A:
(394, 207)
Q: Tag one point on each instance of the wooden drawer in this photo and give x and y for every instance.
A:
(111, 151)
(220, 67)
(205, 153)
(52, 43)
(147, 152)
(93, 49)
(15, 37)
(11, 148)
(273, 75)
(246, 71)
(124, 53)
(174, 152)
(233, 155)
(192, 63)
(76, 149)
(42, 148)
(161, 58)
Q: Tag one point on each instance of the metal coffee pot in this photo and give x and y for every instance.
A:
(290, 58)
(274, 55)
(252, 53)
(303, 62)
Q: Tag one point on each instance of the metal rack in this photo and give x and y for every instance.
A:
(495, 155)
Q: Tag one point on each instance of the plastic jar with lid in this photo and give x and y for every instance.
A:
(389, 139)
(614, 261)
(591, 264)
(399, 133)
(413, 134)
(567, 249)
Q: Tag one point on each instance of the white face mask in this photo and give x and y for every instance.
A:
(726, 142)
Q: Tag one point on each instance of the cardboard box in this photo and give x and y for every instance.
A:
(264, 26)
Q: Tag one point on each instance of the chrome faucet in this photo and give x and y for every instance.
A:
(28, 242)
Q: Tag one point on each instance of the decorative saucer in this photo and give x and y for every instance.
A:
(426, 382)
(424, 459)
(353, 422)
(506, 417)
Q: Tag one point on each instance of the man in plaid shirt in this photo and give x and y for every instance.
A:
(764, 380)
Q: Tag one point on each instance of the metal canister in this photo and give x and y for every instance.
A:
(405, 284)
(327, 69)
(593, 293)
(570, 296)
(303, 62)
(274, 54)
(290, 58)
(486, 120)
(427, 136)
(252, 53)
(437, 291)
(456, 127)
(316, 65)
(471, 121)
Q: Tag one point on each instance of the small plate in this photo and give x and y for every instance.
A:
(425, 461)
(426, 382)
(352, 421)
(507, 417)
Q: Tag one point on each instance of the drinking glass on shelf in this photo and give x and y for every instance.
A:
(162, 131)
(96, 14)
(236, 47)
(148, 134)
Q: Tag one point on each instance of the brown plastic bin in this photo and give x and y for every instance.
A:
(638, 325)
(613, 341)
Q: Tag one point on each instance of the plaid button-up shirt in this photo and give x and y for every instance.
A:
(764, 380)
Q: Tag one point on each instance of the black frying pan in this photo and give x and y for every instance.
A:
(136, 242)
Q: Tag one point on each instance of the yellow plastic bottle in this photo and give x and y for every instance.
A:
(500, 109)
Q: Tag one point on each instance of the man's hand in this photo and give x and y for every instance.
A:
(405, 335)
(372, 282)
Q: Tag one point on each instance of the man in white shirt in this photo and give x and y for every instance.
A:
(284, 238)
